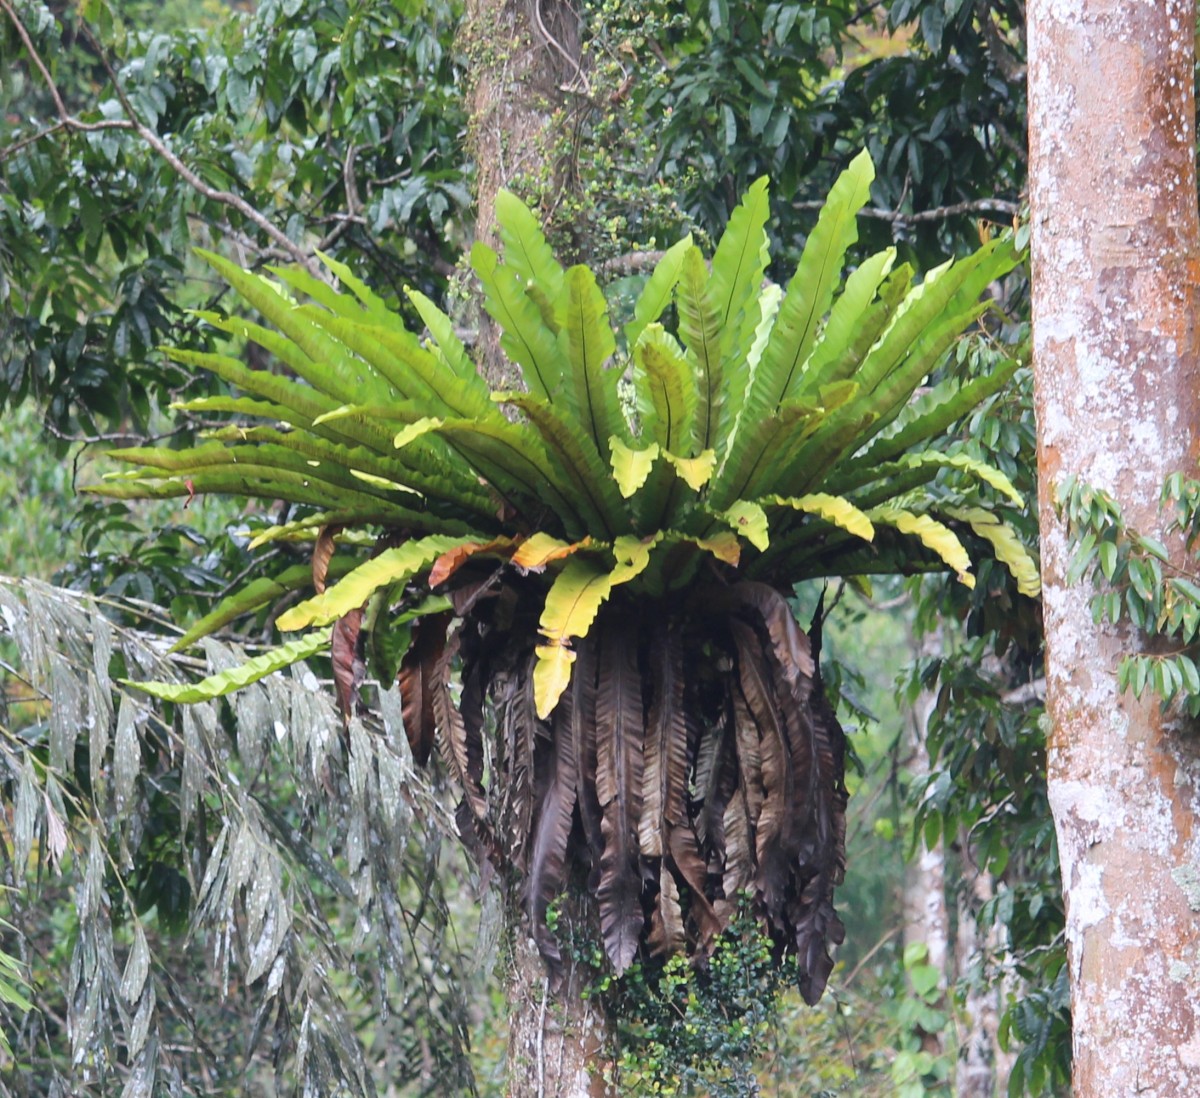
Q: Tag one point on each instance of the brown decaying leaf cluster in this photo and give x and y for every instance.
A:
(693, 757)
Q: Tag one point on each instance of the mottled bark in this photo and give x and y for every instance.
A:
(1115, 252)
(983, 1067)
(926, 916)
(557, 1040)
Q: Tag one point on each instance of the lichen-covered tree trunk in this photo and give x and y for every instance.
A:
(926, 916)
(1116, 250)
(523, 62)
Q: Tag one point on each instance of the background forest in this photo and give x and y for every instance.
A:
(231, 897)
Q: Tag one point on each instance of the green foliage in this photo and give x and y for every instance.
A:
(271, 108)
(684, 1029)
(1136, 582)
(807, 415)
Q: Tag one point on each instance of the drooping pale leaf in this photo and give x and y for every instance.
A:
(225, 682)
(633, 556)
(933, 535)
(656, 294)
(538, 550)
(1009, 548)
(696, 471)
(571, 606)
(989, 474)
(749, 520)
(551, 676)
(834, 509)
(630, 466)
(390, 566)
(525, 247)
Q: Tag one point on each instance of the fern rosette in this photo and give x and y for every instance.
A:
(601, 558)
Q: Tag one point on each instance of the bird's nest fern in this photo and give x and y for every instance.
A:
(601, 558)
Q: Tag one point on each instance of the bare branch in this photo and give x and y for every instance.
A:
(939, 213)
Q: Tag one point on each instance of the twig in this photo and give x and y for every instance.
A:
(630, 262)
(939, 213)
(70, 122)
(552, 41)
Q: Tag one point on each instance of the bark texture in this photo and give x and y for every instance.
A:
(556, 1040)
(1115, 242)
(926, 915)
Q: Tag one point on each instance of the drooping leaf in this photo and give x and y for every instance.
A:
(453, 559)
(833, 509)
(538, 550)
(390, 566)
(749, 520)
(1009, 548)
(619, 766)
(696, 471)
(225, 682)
(932, 534)
(630, 466)
(571, 606)
(254, 596)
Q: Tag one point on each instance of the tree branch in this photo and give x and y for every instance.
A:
(939, 213)
(70, 122)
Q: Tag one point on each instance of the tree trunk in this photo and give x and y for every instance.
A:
(1115, 253)
(523, 60)
(926, 916)
(557, 1040)
(521, 55)
(983, 1067)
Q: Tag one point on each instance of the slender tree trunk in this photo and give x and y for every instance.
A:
(926, 916)
(1115, 263)
(523, 61)
(983, 1067)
